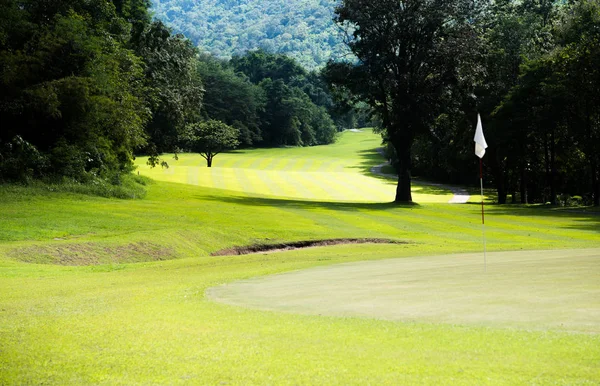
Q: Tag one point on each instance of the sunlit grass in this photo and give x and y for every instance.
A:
(324, 173)
(122, 322)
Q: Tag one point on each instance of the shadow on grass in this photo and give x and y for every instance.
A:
(582, 218)
(368, 159)
(430, 189)
(305, 204)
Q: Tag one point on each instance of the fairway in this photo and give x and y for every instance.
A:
(337, 173)
(528, 289)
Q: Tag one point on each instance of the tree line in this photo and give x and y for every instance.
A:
(87, 85)
(530, 67)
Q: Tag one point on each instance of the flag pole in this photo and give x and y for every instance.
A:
(480, 146)
(482, 215)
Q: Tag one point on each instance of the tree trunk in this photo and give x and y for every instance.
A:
(403, 150)
(547, 168)
(499, 175)
(523, 183)
(209, 161)
(593, 159)
(552, 169)
(595, 182)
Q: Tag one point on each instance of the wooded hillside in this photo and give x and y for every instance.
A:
(302, 28)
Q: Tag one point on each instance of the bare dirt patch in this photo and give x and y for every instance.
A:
(261, 248)
(92, 253)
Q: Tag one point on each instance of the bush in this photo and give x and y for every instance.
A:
(21, 161)
(568, 200)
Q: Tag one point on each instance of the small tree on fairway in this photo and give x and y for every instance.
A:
(211, 138)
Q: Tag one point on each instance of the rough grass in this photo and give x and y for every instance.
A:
(150, 322)
(90, 253)
(130, 186)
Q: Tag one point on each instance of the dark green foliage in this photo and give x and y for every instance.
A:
(86, 83)
(545, 128)
(231, 98)
(173, 88)
(259, 65)
(70, 89)
(290, 117)
(303, 29)
(529, 67)
(211, 138)
(21, 161)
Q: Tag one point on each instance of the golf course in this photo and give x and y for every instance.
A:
(155, 290)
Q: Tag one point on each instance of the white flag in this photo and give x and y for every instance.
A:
(480, 144)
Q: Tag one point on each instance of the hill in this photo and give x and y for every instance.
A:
(303, 29)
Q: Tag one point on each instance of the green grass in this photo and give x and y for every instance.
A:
(339, 173)
(123, 301)
(502, 289)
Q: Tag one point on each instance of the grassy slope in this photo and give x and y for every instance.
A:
(151, 323)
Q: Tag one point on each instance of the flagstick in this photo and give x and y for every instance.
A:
(482, 215)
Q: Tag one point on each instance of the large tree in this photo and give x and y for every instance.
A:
(413, 56)
(231, 98)
(173, 88)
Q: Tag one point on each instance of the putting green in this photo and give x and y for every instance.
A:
(557, 289)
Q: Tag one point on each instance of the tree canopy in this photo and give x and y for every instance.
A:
(88, 84)
(529, 67)
(71, 93)
(210, 138)
(303, 29)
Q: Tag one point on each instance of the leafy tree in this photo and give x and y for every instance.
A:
(281, 126)
(579, 33)
(259, 65)
(546, 127)
(70, 89)
(173, 89)
(211, 138)
(231, 98)
(412, 58)
(515, 32)
(291, 116)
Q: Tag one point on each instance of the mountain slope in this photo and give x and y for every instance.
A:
(301, 28)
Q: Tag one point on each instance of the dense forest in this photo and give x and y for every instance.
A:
(86, 85)
(530, 67)
(303, 29)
